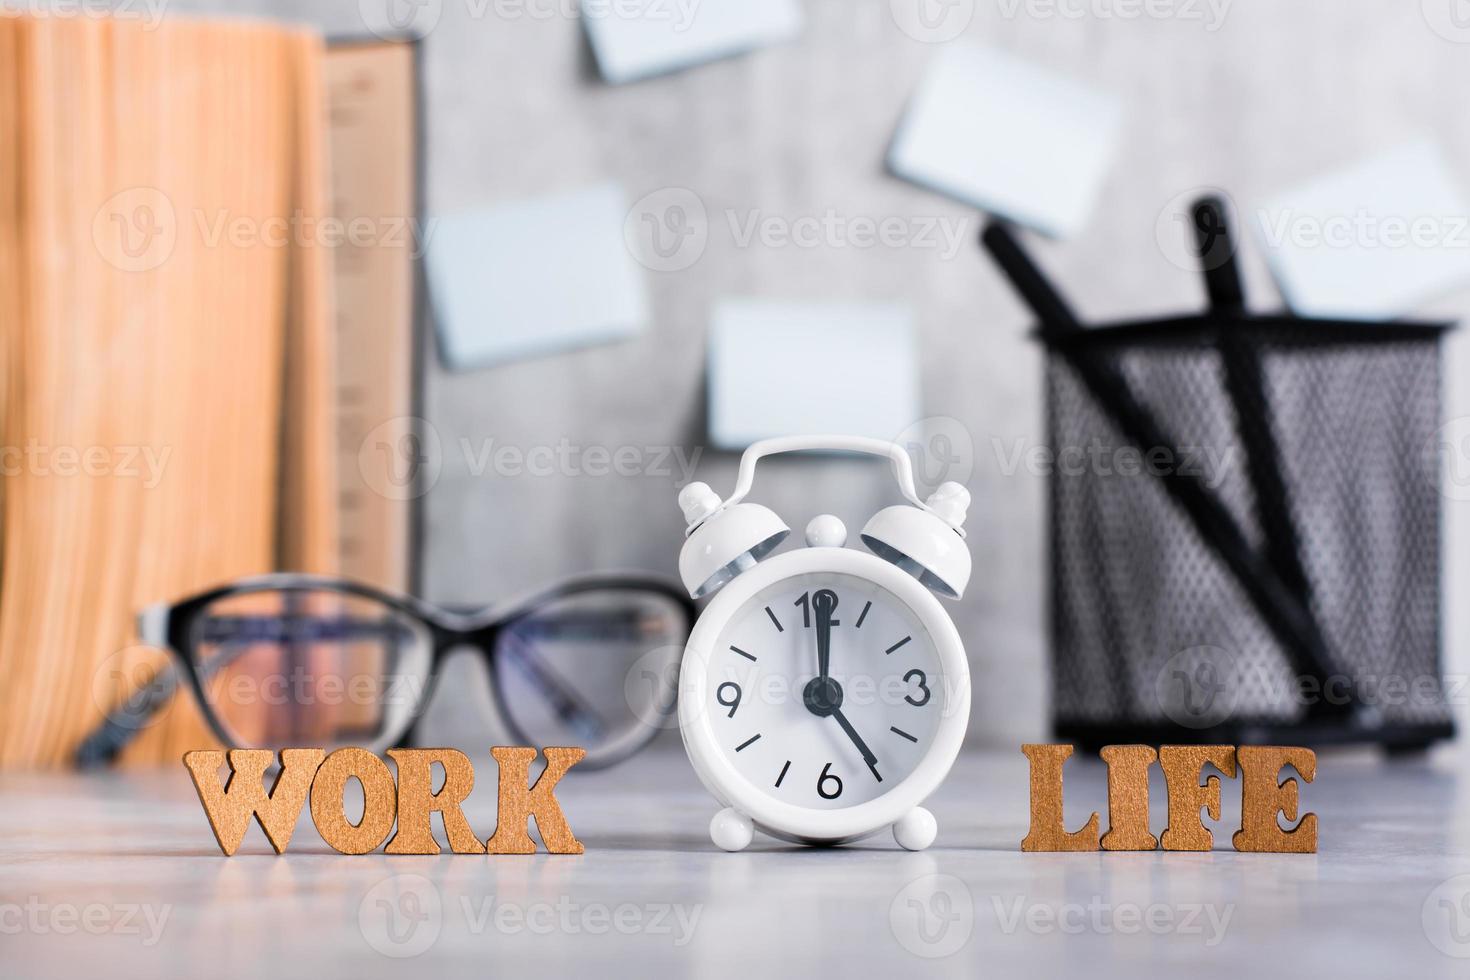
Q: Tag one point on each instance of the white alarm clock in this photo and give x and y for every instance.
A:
(824, 693)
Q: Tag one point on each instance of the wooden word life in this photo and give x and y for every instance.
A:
(1263, 795)
(407, 804)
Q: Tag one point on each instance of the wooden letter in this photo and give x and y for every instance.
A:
(378, 798)
(1182, 765)
(518, 804)
(229, 808)
(1128, 767)
(1047, 832)
(1263, 794)
(416, 800)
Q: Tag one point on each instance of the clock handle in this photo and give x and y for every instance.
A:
(903, 470)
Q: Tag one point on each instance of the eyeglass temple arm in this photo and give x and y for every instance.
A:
(570, 707)
(121, 725)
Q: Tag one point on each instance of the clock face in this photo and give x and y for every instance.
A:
(834, 741)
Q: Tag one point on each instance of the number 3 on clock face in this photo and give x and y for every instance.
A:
(824, 701)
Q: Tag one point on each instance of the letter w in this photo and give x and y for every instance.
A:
(230, 807)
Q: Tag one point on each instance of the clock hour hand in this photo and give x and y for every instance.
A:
(823, 603)
(868, 756)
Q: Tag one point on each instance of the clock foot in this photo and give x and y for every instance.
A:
(916, 829)
(731, 830)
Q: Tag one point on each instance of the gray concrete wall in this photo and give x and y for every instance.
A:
(1278, 93)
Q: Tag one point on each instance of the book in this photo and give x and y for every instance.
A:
(163, 349)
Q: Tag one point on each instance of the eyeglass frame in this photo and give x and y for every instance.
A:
(170, 626)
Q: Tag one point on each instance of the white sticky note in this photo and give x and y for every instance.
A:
(534, 276)
(779, 369)
(1009, 137)
(1372, 241)
(639, 39)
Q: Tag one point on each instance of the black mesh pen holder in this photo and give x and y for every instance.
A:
(1244, 521)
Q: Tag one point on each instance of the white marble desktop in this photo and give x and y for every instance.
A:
(90, 865)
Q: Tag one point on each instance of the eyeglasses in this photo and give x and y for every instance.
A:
(286, 660)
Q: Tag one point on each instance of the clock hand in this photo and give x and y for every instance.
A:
(868, 756)
(824, 602)
(823, 695)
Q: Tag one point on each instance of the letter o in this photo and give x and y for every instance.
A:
(379, 801)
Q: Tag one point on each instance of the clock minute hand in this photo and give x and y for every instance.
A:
(868, 756)
(824, 602)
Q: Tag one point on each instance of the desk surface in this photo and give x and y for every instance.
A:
(118, 876)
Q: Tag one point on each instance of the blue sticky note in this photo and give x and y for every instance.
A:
(534, 277)
(1372, 241)
(780, 369)
(633, 41)
(1008, 136)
